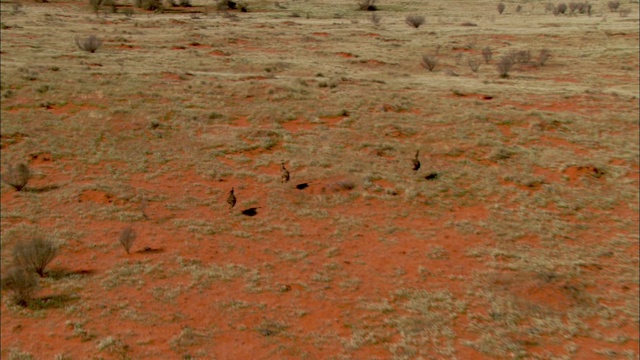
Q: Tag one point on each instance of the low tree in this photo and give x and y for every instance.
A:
(21, 283)
(35, 254)
(504, 66)
(90, 43)
(429, 62)
(414, 20)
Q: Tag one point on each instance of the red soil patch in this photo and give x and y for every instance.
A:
(11, 139)
(97, 196)
(218, 53)
(40, 158)
(578, 173)
(345, 55)
(323, 34)
(70, 108)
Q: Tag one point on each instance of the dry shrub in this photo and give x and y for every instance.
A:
(518, 8)
(367, 5)
(21, 283)
(613, 5)
(35, 255)
(560, 9)
(487, 54)
(17, 176)
(150, 5)
(543, 56)
(429, 62)
(414, 20)
(375, 19)
(474, 64)
(504, 66)
(90, 44)
(501, 7)
(549, 7)
(342, 185)
(127, 238)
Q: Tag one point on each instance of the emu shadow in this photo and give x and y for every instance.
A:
(58, 274)
(41, 189)
(150, 250)
(302, 186)
(432, 176)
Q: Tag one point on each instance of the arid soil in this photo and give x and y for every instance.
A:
(516, 239)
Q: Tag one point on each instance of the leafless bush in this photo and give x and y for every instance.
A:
(429, 62)
(375, 19)
(150, 5)
(127, 238)
(35, 255)
(501, 7)
(90, 44)
(17, 176)
(504, 66)
(21, 283)
(520, 57)
(543, 56)
(560, 9)
(487, 54)
(518, 8)
(367, 5)
(474, 64)
(573, 6)
(613, 5)
(414, 20)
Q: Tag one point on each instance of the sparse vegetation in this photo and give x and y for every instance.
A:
(367, 5)
(501, 7)
(35, 254)
(474, 64)
(127, 238)
(17, 176)
(22, 284)
(613, 5)
(429, 62)
(89, 44)
(414, 20)
(375, 19)
(487, 54)
(543, 56)
(504, 66)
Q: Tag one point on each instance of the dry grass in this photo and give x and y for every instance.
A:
(523, 245)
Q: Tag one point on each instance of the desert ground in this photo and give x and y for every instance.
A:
(517, 238)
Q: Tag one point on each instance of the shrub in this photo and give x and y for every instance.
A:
(35, 255)
(375, 19)
(429, 62)
(560, 9)
(150, 5)
(504, 66)
(474, 64)
(414, 20)
(613, 5)
(501, 8)
(22, 284)
(17, 176)
(549, 7)
(127, 238)
(226, 5)
(518, 8)
(487, 54)
(520, 57)
(367, 5)
(90, 44)
(543, 56)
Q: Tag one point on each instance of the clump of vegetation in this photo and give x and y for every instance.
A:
(414, 20)
(375, 19)
(560, 9)
(543, 56)
(35, 255)
(487, 54)
(474, 64)
(150, 5)
(89, 44)
(367, 5)
(21, 283)
(504, 66)
(429, 62)
(613, 5)
(226, 5)
(518, 8)
(520, 56)
(501, 7)
(127, 238)
(17, 176)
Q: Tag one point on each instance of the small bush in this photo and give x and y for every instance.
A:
(367, 5)
(549, 7)
(22, 284)
(501, 7)
(543, 56)
(613, 5)
(414, 20)
(375, 19)
(474, 64)
(518, 8)
(127, 238)
(504, 66)
(429, 62)
(90, 44)
(17, 176)
(226, 5)
(150, 5)
(487, 54)
(560, 9)
(35, 255)
(520, 57)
